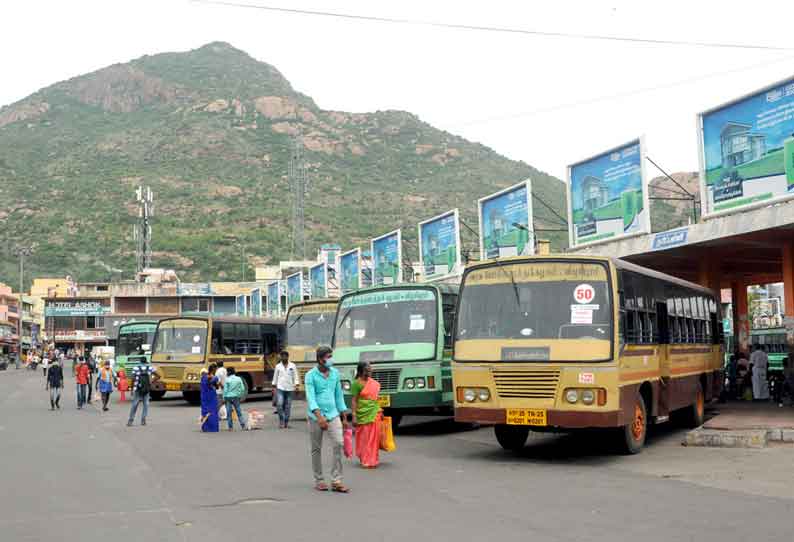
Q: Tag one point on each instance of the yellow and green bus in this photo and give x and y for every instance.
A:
(309, 324)
(133, 345)
(560, 343)
(185, 345)
(405, 332)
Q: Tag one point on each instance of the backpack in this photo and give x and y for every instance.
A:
(144, 381)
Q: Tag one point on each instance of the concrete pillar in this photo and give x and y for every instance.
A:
(741, 321)
(788, 295)
(710, 271)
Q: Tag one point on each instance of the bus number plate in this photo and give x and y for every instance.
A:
(173, 386)
(384, 401)
(526, 416)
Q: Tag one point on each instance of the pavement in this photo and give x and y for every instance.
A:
(83, 475)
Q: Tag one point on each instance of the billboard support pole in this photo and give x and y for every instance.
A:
(691, 197)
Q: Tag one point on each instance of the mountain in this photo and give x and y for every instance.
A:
(211, 132)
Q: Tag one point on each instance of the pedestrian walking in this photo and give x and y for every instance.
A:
(55, 384)
(142, 377)
(327, 415)
(232, 392)
(209, 400)
(81, 373)
(760, 362)
(123, 385)
(366, 415)
(91, 362)
(45, 364)
(285, 381)
(104, 384)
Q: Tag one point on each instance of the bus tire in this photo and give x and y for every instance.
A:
(632, 435)
(156, 395)
(192, 397)
(511, 437)
(693, 416)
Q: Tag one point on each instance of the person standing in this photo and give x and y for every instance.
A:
(285, 381)
(760, 363)
(91, 370)
(123, 386)
(327, 414)
(209, 400)
(55, 384)
(232, 393)
(366, 415)
(142, 377)
(104, 384)
(221, 373)
(81, 374)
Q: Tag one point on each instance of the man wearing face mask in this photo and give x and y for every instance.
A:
(327, 413)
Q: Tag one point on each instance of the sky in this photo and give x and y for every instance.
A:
(549, 101)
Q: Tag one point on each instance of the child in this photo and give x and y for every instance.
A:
(123, 386)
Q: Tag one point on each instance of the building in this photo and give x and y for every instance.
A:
(9, 321)
(53, 287)
(78, 321)
(32, 322)
(739, 145)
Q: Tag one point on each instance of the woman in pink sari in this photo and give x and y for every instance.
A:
(366, 415)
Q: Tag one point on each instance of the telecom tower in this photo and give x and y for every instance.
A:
(142, 230)
(299, 186)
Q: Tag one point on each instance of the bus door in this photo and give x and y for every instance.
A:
(665, 363)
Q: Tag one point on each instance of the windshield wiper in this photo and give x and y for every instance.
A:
(344, 317)
(512, 281)
(296, 320)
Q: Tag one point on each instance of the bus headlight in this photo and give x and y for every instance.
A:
(572, 396)
(469, 395)
(588, 397)
(409, 383)
(346, 385)
(483, 394)
(420, 382)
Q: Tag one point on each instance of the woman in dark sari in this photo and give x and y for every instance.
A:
(209, 400)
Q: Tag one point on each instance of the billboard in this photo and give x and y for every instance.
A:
(241, 308)
(77, 308)
(256, 302)
(747, 150)
(608, 195)
(274, 298)
(506, 222)
(387, 259)
(294, 288)
(350, 264)
(439, 245)
(318, 281)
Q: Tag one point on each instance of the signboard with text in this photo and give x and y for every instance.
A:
(294, 288)
(439, 245)
(350, 270)
(274, 298)
(76, 308)
(387, 259)
(318, 281)
(506, 223)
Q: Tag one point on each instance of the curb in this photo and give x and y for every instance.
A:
(715, 438)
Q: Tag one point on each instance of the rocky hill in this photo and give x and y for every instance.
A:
(210, 131)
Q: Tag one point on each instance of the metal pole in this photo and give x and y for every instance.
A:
(19, 308)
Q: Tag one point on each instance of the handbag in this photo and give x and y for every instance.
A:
(387, 443)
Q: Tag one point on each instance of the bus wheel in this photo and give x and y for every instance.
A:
(192, 397)
(693, 415)
(633, 434)
(157, 395)
(511, 437)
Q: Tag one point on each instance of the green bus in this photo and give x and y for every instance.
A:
(135, 344)
(773, 339)
(405, 331)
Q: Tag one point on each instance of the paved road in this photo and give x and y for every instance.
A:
(82, 475)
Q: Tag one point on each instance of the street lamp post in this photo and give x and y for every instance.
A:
(21, 251)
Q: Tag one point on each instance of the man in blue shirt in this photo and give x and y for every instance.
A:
(327, 413)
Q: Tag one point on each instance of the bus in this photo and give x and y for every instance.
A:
(405, 331)
(560, 343)
(773, 339)
(184, 345)
(133, 345)
(309, 324)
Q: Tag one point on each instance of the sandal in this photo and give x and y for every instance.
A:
(321, 486)
(340, 488)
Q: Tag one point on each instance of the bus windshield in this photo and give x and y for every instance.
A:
(309, 329)
(389, 317)
(531, 308)
(181, 337)
(132, 337)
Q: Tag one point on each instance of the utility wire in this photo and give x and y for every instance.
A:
(499, 29)
(550, 208)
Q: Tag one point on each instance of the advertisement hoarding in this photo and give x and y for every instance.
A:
(439, 245)
(608, 195)
(387, 259)
(274, 298)
(294, 288)
(506, 222)
(350, 264)
(240, 304)
(747, 150)
(256, 302)
(318, 281)
(77, 308)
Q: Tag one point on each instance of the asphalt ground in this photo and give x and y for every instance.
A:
(85, 476)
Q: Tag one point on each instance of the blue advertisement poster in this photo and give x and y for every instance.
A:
(608, 195)
(241, 305)
(256, 302)
(387, 260)
(350, 264)
(747, 150)
(439, 245)
(318, 281)
(506, 223)
(294, 288)
(273, 298)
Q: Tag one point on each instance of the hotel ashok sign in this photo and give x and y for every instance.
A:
(76, 308)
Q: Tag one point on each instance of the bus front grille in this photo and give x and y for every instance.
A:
(172, 373)
(302, 374)
(389, 379)
(532, 384)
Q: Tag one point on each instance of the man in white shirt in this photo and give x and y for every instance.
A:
(221, 373)
(760, 362)
(285, 381)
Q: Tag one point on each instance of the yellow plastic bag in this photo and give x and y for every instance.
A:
(387, 435)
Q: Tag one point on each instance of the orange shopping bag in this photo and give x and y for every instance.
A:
(386, 435)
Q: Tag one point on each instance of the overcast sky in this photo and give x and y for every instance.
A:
(548, 101)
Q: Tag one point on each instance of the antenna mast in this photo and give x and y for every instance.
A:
(299, 186)
(142, 230)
